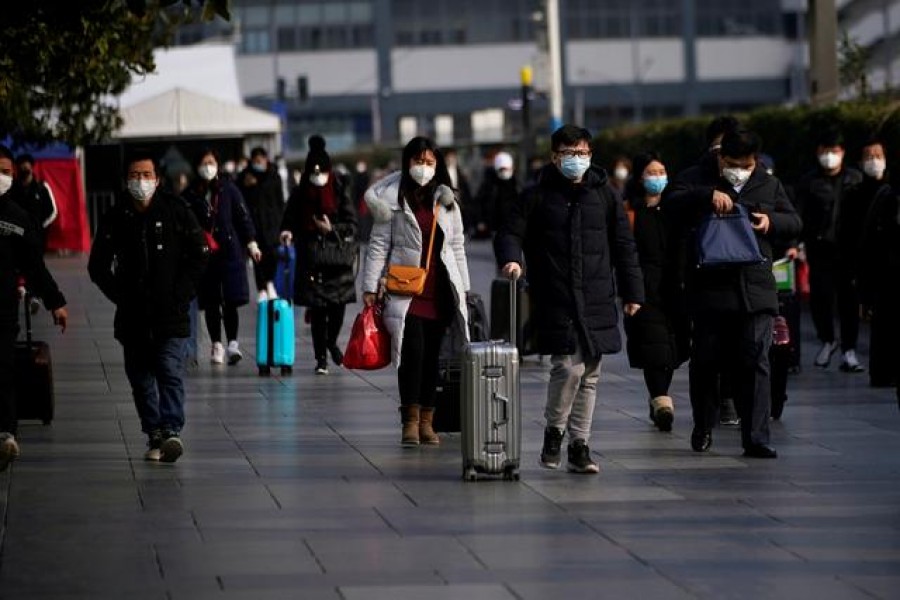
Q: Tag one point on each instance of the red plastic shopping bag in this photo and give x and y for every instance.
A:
(369, 347)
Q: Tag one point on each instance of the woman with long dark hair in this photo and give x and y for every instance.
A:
(405, 205)
(224, 217)
(658, 335)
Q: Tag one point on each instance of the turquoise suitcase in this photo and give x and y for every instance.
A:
(275, 336)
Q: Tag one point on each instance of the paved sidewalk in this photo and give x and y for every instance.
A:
(298, 488)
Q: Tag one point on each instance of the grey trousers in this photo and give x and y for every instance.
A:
(571, 394)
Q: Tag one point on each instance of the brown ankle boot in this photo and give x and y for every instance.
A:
(426, 431)
(409, 417)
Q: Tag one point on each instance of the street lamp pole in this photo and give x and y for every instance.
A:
(555, 51)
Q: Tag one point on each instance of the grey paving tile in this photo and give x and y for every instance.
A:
(297, 488)
(433, 592)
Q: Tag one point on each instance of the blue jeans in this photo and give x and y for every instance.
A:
(156, 373)
(190, 351)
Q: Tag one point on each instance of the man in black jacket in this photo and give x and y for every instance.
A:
(733, 306)
(831, 227)
(884, 355)
(574, 235)
(147, 258)
(34, 196)
(20, 256)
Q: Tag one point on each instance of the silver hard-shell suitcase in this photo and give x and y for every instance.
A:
(491, 411)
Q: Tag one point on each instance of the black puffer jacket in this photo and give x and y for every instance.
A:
(827, 208)
(21, 254)
(318, 286)
(880, 249)
(575, 240)
(264, 196)
(659, 334)
(747, 289)
(148, 264)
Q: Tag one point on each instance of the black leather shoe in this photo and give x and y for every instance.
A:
(701, 440)
(760, 451)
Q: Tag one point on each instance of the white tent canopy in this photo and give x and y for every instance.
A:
(180, 113)
(207, 68)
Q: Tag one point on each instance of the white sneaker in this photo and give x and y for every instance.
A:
(9, 450)
(234, 353)
(850, 364)
(218, 353)
(823, 358)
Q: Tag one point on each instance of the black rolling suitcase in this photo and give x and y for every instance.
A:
(446, 403)
(33, 377)
(500, 317)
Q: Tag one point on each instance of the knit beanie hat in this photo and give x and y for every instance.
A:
(317, 155)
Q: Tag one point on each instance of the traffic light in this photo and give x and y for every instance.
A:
(302, 88)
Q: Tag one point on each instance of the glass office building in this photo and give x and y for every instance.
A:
(364, 71)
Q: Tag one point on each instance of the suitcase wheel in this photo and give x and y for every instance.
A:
(511, 474)
(287, 371)
(264, 371)
(469, 474)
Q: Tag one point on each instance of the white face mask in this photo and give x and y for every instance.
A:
(318, 179)
(5, 183)
(505, 174)
(874, 167)
(208, 171)
(736, 176)
(142, 189)
(421, 174)
(620, 173)
(830, 160)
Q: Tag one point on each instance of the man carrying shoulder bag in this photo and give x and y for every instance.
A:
(733, 303)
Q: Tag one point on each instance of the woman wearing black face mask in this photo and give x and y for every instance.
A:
(320, 219)
(230, 234)
(410, 208)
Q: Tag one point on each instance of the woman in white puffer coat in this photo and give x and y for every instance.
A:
(403, 205)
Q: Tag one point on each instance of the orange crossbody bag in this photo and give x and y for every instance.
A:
(404, 280)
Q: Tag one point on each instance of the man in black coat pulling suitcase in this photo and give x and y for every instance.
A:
(148, 255)
(574, 234)
(21, 254)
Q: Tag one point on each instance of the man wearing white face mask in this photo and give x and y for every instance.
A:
(499, 190)
(732, 306)
(572, 231)
(883, 352)
(827, 199)
(20, 254)
(147, 258)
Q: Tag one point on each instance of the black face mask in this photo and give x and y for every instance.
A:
(25, 174)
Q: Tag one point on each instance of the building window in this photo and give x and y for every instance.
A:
(588, 19)
(305, 25)
(456, 22)
(729, 18)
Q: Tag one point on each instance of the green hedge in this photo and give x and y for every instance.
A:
(788, 135)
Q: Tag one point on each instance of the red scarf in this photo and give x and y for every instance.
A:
(319, 201)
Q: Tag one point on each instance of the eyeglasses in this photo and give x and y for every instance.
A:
(569, 153)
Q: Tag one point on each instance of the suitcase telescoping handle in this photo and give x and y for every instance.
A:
(513, 320)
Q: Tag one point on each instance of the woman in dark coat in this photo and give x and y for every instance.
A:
(658, 335)
(320, 219)
(222, 214)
